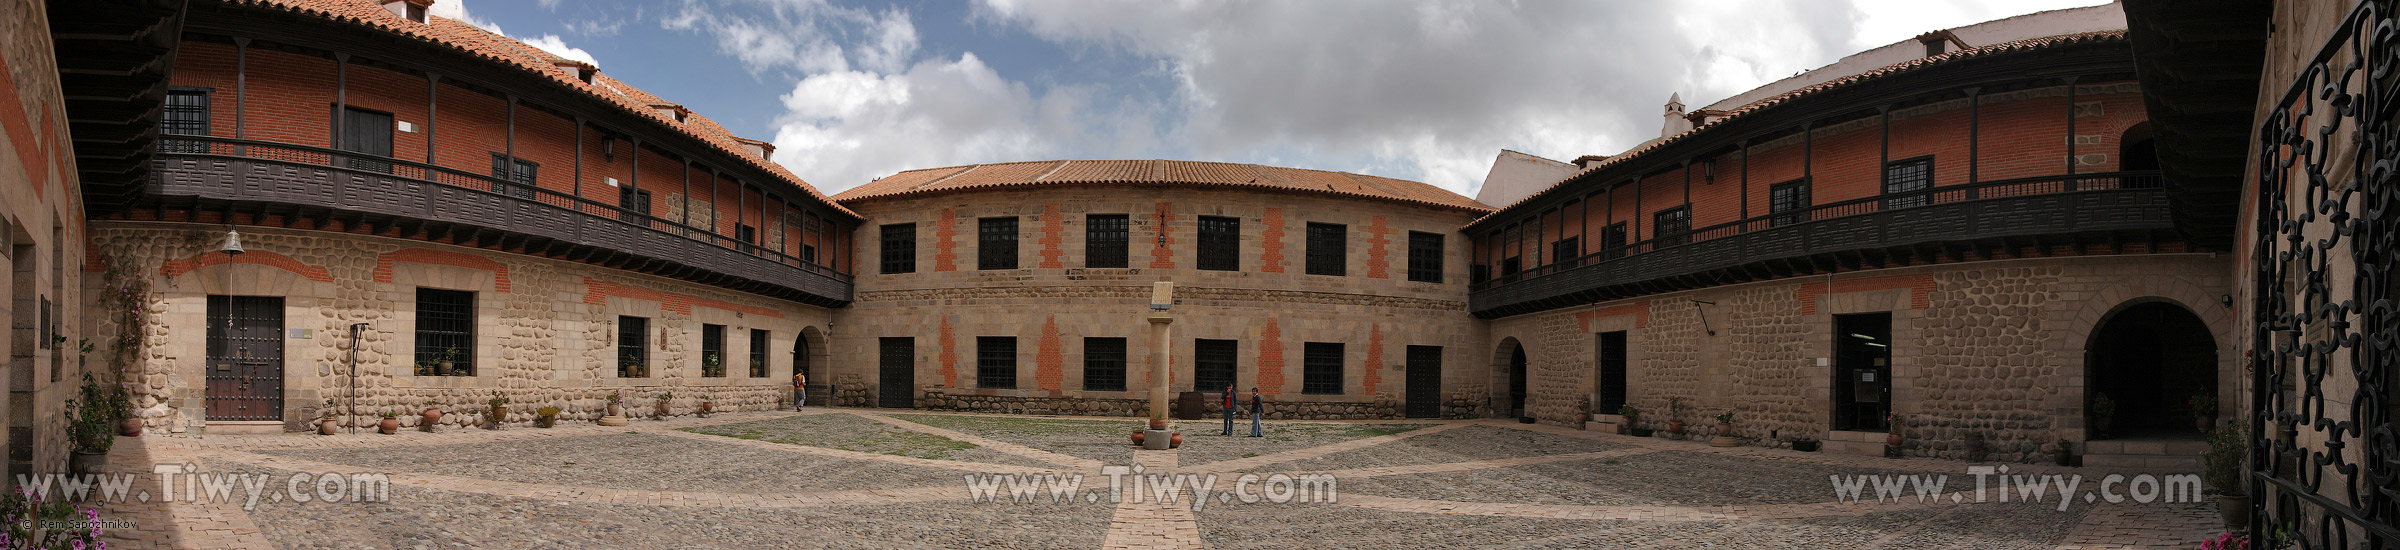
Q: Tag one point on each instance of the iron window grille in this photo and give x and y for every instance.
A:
(1673, 226)
(1321, 368)
(1104, 364)
(1567, 249)
(445, 331)
(997, 246)
(1220, 243)
(1424, 257)
(899, 248)
(1612, 241)
(1106, 238)
(1328, 248)
(1904, 176)
(1213, 363)
(633, 347)
(758, 353)
(635, 202)
(1790, 196)
(712, 351)
(996, 361)
(520, 183)
(185, 113)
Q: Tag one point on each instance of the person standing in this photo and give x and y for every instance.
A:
(1230, 405)
(1258, 408)
(799, 389)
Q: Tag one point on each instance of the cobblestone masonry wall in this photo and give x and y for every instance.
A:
(1985, 361)
(548, 340)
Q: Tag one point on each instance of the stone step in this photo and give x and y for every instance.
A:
(2160, 462)
(1854, 448)
(2145, 447)
(221, 427)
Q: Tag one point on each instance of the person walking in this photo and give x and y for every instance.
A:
(799, 389)
(1258, 408)
(1230, 406)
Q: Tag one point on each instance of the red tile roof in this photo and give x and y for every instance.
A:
(474, 41)
(1158, 172)
(1890, 71)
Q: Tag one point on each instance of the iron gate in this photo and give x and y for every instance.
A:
(245, 358)
(2324, 457)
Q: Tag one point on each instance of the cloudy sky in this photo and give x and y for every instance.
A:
(851, 91)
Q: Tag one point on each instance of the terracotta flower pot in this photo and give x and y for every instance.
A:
(616, 409)
(2205, 423)
(545, 421)
(1675, 427)
(388, 426)
(1891, 439)
(325, 427)
(708, 407)
(130, 426)
(1137, 437)
(432, 415)
(1175, 440)
(2234, 510)
(499, 415)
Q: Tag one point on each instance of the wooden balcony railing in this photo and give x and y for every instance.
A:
(2050, 205)
(300, 176)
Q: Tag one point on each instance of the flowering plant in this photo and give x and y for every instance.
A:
(1896, 421)
(35, 520)
(617, 398)
(2227, 541)
(2203, 404)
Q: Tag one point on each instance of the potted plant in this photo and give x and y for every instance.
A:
(546, 416)
(712, 365)
(666, 402)
(1626, 415)
(448, 361)
(433, 413)
(1675, 407)
(2204, 410)
(2065, 454)
(616, 403)
(2221, 468)
(2104, 410)
(325, 425)
(1897, 423)
(499, 404)
(1724, 437)
(707, 405)
(424, 368)
(91, 427)
(1977, 448)
(390, 424)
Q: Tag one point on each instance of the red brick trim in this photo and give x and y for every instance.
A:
(19, 127)
(176, 268)
(1270, 254)
(945, 247)
(1162, 255)
(1050, 237)
(1639, 310)
(1270, 359)
(1378, 261)
(1047, 375)
(1920, 289)
(600, 291)
(383, 264)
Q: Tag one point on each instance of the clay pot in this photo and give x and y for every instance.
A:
(2205, 424)
(1675, 427)
(499, 415)
(79, 462)
(545, 421)
(1175, 440)
(1158, 423)
(325, 427)
(2234, 510)
(388, 426)
(615, 410)
(129, 426)
(432, 415)
(1137, 437)
(708, 407)
(1891, 440)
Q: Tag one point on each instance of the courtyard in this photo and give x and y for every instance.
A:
(880, 478)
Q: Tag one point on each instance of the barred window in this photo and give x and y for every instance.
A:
(712, 351)
(758, 353)
(1220, 243)
(633, 347)
(1790, 196)
(997, 249)
(1904, 176)
(185, 113)
(1213, 364)
(1321, 371)
(996, 361)
(1104, 364)
(515, 183)
(1566, 249)
(1105, 238)
(1328, 248)
(445, 331)
(899, 248)
(1672, 226)
(1424, 257)
(1612, 241)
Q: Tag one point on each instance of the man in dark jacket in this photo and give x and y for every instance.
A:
(1258, 408)
(1230, 406)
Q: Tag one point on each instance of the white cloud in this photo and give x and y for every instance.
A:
(551, 43)
(457, 10)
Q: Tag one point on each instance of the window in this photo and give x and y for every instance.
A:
(1328, 248)
(1672, 226)
(899, 248)
(1790, 196)
(633, 347)
(1104, 364)
(1105, 238)
(445, 331)
(1905, 176)
(1511, 265)
(996, 361)
(1220, 243)
(1424, 257)
(517, 184)
(1612, 241)
(747, 235)
(186, 113)
(1213, 364)
(1321, 371)
(712, 351)
(1566, 250)
(636, 203)
(758, 353)
(998, 247)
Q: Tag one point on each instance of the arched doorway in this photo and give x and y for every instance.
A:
(2149, 358)
(1510, 359)
(808, 357)
(2135, 149)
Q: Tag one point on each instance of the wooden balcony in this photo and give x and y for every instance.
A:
(1951, 223)
(316, 188)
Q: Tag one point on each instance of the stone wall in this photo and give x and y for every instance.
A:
(546, 330)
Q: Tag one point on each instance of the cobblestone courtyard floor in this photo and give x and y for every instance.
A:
(865, 478)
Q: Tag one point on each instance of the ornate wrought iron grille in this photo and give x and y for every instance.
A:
(2324, 457)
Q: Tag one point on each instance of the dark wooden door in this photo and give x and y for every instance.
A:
(1612, 373)
(1424, 381)
(368, 133)
(899, 373)
(245, 358)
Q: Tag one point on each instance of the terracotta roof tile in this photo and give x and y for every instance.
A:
(471, 40)
(1158, 172)
(1888, 71)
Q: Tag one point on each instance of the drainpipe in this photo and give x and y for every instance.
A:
(354, 329)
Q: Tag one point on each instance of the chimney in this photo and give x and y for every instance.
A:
(577, 69)
(1677, 123)
(412, 10)
(758, 148)
(670, 110)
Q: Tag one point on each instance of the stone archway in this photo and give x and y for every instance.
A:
(2149, 357)
(2136, 150)
(1509, 361)
(809, 355)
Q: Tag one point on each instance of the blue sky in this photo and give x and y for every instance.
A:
(1428, 91)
